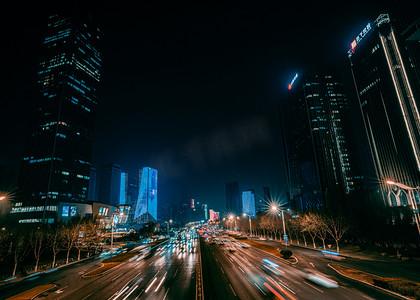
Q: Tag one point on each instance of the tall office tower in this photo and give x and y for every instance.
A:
(146, 207)
(385, 64)
(248, 202)
(233, 198)
(57, 153)
(109, 184)
(92, 185)
(262, 203)
(124, 189)
(316, 144)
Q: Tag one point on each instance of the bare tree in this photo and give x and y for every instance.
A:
(4, 245)
(19, 247)
(55, 236)
(38, 243)
(337, 226)
(294, 228)
(70, 235)
(265, 224)
(308, 227)
(319, 225)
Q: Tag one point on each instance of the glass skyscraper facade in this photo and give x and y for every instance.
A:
(316, 143)
(385, 61)
(146, 206)
(248, 203)
(233, 198)
(57, 153)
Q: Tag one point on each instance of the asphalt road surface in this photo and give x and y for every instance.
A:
(167, 272)
(242, 274)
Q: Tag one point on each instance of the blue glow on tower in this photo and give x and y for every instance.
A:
(147, 199)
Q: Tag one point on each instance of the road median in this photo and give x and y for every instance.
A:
(402, 288)
(33, 293)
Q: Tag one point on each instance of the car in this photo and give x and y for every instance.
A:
(318, 278)
(262, 239)
(221, 243)
(245, 245)
(232, 248)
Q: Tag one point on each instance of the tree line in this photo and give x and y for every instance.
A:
(25, 243)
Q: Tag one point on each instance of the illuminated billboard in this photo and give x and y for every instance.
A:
(357, 40)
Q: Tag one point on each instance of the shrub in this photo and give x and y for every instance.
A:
(286, 253)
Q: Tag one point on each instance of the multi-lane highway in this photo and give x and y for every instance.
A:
(168, 272)
(242, 274)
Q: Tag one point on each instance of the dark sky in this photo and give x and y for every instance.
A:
(191, 90)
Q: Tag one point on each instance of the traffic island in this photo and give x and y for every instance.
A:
(270, 250)
(398, 286)
(33, 293)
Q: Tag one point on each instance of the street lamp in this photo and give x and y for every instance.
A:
(409, 192)
(250, 228)
(2, 198)
(276, 208)
(167, 224)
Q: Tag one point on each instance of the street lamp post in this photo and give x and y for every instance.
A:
(276, 208)
(409, 192)
(250, 228)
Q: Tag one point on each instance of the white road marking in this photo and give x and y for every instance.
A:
(87, 296)
(241, 269)
(222, 270)
(285, 286)
(312, 264)
(260, 289)
(166, 294)
(313, 287)
(150, 285)
(130, 292)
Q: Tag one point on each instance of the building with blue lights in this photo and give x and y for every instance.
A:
(248, 202)
(57, 154)
(146, 206)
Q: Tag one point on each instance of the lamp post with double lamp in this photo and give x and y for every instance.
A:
(112, 230)
(409, 192)
(250, 227)
(276, 209)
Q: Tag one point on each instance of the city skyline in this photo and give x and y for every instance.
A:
(236, 132)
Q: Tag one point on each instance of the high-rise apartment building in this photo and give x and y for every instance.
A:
(146, 206)
(124, 189)
(313, 121)
(233, 198)
(57, 154)
(385, 63)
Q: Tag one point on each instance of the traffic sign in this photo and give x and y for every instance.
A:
(285, 238)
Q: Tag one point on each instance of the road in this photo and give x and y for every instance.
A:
(241, 274)
(167, 273)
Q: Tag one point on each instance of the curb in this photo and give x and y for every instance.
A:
(371, 285)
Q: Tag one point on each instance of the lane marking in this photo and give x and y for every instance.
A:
(232, 289)
(285, 286)
(150, 285)
(275, 284)
(130, 292)
(160, 283)
(241, 269)
(222, 270)
(166, 293)
(260, 289)
(176, 272)
(313, 287)
(312, 264)
(88, 296)
(273, 291)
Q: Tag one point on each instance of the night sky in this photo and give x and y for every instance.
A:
(191, 90)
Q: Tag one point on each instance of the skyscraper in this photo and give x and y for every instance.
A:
(385, 63)
(318, 161)
(124, 189)
(248, 202)
(110, 184)
(233, 199)
(146, 206)
(57, 154)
